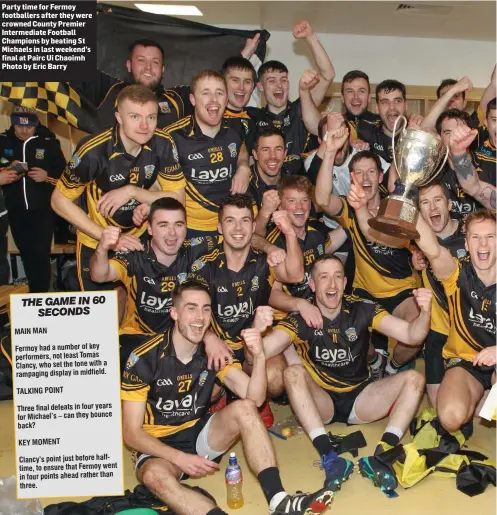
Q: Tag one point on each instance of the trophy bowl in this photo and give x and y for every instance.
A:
(418, 157)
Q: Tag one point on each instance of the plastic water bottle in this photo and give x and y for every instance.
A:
(234, 483)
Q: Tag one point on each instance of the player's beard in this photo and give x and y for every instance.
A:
(190, 334)
(153, 85)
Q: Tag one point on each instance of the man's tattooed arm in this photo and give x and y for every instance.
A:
(468, 178)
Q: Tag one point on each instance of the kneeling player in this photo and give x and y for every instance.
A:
(329, 380)
(171, 370)
(469, 283)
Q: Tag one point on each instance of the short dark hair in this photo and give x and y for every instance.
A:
(188, 285)
(444, 84)
(452, 114)
(271, 66)
(491, 105)
(325, 257)
(267, 132)
(365, 154)
(437, 182)
(145, 43)
(136, 93)
(352, 75)
(390, 85)
(165, 204)
(206, 74)
(238, 62)
(239, 200)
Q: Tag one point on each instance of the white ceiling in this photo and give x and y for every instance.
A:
(475, 20)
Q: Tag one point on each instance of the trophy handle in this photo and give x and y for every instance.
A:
(443, 162)
(393, 138)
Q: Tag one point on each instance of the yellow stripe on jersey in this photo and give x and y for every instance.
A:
(94, 141)
(222, 373)
(183, 122)
(201, 213)
(160, 431)
(439, 317)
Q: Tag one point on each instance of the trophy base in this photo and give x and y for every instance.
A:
(396, 217)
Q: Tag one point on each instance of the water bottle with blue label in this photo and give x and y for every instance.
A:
(234, 483)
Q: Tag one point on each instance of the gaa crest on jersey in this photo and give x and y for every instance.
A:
(245, 126)
(149, 171)
(133, 358)
(232, 149)
(254, 285)
(196, 241)
(320, 250)
(164, 107)
(286, 121)
(198, 265)
(461, 253)
(40, 153)
(181, 277)
(351, 334)
(203, 378)
(74, 162)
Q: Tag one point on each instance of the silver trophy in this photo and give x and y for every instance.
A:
(419, 157)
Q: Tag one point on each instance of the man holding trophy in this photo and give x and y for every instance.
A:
(383, 273)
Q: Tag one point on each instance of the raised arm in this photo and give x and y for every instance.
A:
(276, 342)
(292, 269)
(464, 85)
(101, 269)
(310, 113)
(488, 94)
(270, 202)
(241, 178)
(303, 30)
(410, 333)
(335, 139)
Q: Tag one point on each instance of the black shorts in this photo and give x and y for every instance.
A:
(389, 303)
(83, 256)
(344, 402)
(482, 374)
(434, 362)
(128, 343)
(185, 441)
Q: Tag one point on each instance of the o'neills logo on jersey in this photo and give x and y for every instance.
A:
(217, 175)
(480, 321)
(155, 303)
(241, 310)
(334, 357)
(185, 406)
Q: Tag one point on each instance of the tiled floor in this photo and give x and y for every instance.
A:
(433, 496)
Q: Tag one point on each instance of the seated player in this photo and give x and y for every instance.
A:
(314, 239)
(434, 207)
(112, 172)
(469, 283)
(242, 278)
(355, 91)
(279, 111)
(383, 274)
(150, 276)
(171, 370)
(213, 156)
(330, 381)
(469, 178)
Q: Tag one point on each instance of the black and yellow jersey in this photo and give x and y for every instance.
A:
(379, 142)
(485, 158)
(177, 395)
(455, 243)
(241, 122)
(380, 270)
(150, 284)
(471, 312)
(174, 104)
(462, 204)
(101, 164)
(257, 187)
(315, 243)
(336, 356)
(298, 140)
(209, 165)
(365, 117)
(235, 295)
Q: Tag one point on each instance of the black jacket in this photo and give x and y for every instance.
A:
(42, 151)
